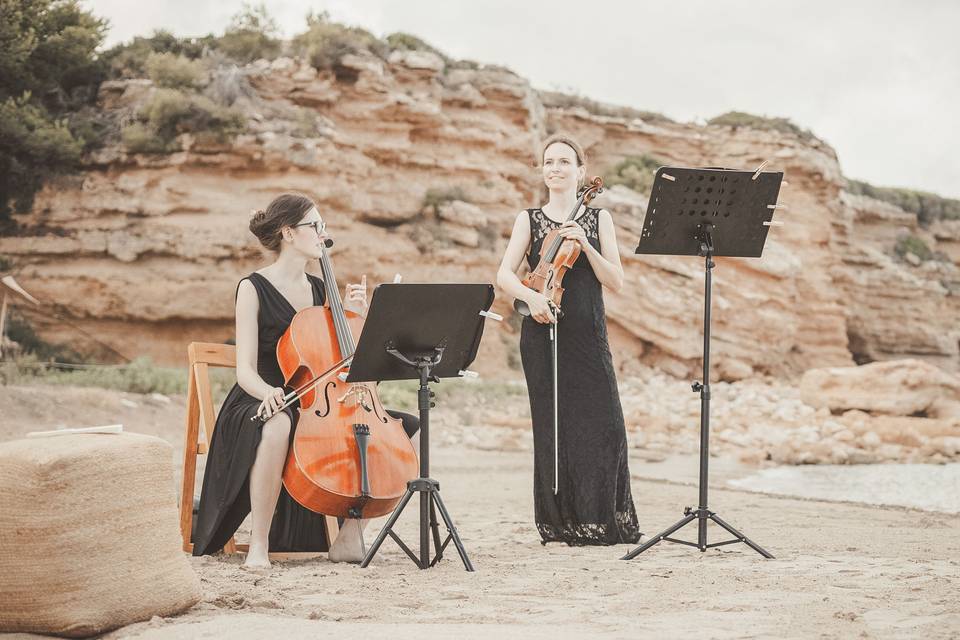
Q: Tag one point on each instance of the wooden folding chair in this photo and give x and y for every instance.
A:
(204, 355)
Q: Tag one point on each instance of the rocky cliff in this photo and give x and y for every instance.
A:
(419, 169)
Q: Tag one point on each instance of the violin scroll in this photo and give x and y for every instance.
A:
(591, 190)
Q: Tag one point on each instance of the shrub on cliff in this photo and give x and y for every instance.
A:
(408, 42)
(635, 172)
(171, 112)
(174, 71)
(912, 244)
(252, 34)
(927, 206)
(433, 199)
(129, 60)
(36, 147)
(738, 119)
(325, 43)
(559, 100)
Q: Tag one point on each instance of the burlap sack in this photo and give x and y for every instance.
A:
(89, 537)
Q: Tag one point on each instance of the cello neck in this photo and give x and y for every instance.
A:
(344, 335)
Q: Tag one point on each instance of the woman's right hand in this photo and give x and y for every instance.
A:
(271, 404)
(540, 309)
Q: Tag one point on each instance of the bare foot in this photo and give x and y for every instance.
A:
(257, 558)
(348, 547)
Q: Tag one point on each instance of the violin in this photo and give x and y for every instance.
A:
(557, 255)
(348, 457)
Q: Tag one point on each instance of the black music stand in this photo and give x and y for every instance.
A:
(707, 213)
(421, 332)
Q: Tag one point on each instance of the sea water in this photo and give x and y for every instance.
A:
(933, 487)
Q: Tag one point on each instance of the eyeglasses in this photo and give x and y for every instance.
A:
(318, 226)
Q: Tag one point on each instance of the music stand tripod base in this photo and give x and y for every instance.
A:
(424, 332)
(707, 213)
(428, 488)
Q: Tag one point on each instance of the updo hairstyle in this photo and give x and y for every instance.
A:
(286, 210)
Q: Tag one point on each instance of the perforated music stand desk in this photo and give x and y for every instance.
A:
(707, 213)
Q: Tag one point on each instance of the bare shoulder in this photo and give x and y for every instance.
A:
(246, 287)
(247, 297)
(522, 222)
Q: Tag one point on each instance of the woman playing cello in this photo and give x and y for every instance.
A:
(581, 478)
(246, 457)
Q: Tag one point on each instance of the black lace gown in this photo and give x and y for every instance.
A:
(593, 505)
(225, 497)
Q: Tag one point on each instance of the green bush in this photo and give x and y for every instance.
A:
(402, 394)
(36, 146)
(325, 43)
(737, 119)
(139, 376)
(49, 68)
(927, 206)
(140, 138)
(49, 49)
(916, 246)
(635, 172)
(433, 199)
(21, 331)
(252, 35)
(174, 71)
(129, 60)
(462, 64)
(409, 42)
(171, 113)
(91, 127)
(557, 100)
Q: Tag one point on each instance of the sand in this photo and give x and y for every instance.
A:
(841, 570)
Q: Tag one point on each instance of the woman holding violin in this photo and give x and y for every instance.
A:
(581, 477)
(254, 430)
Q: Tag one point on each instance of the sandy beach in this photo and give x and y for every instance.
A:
(842, 569)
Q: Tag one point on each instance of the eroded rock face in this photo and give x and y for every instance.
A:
(897, 307)
(895, 388)
(144, 252)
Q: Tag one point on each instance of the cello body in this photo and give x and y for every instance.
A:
(348, 457)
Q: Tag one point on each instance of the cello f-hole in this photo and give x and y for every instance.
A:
(326, 399)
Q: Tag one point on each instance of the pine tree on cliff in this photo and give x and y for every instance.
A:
(49, 69)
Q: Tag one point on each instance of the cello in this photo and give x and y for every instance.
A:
(348, 457)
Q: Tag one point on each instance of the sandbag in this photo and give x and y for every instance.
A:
(89, 537)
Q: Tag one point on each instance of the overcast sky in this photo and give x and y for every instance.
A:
(879, 80)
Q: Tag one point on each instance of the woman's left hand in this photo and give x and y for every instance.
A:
(571, 230)
(356, 300)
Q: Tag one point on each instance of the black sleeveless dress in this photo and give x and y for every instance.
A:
(593, 505)
(225, 497)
